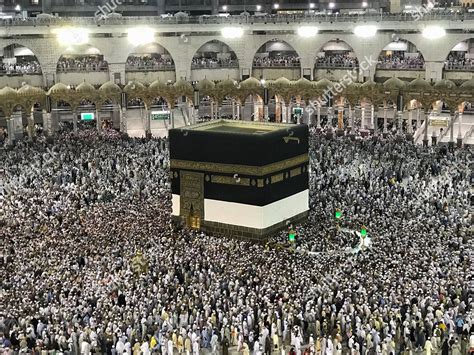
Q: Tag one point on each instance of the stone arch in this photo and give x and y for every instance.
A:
(36, 50)
(400, 45)
(83, 51)
(150, 49)
(233, 54)
(28, 52)
(339, 45)
(457, 53)
(284, 48)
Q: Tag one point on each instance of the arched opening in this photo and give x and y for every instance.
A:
(82, 59)
(461, 57)
(401, 55)
(276, 54)
(214, 55)
(149, 57)
(253, 108)
(336, 54)
(16, 59)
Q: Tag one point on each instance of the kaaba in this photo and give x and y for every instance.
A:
(239, 179)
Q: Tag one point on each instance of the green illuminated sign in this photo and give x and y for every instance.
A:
(363, 232)
(298, 111)
(338, 214)
(87, 116)
(160, 115)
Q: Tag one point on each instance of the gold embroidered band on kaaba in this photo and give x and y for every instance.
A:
(239, 169)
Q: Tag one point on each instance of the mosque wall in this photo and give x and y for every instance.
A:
(116, 48)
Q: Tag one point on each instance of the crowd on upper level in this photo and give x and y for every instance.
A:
(149, 62)
(213, 62)
(398, 60)
(459, 61)
(277, 61)
(82, 63)
(26, 67)
(337, 60)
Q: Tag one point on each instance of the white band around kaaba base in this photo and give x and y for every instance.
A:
(251, 216)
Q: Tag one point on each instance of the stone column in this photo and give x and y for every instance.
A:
(288, 113)
(148, 123)
(362, 116)
(310, 113)
(385, 109)
(47, 129)
(233, 109)
(318, 117)
(265, 113)
(74, 120)
(123, 119)
(409, 134)
(238, 111)
(425, 133)
(98, 120)
(10, 130)
(400, 121)
(31, 125)
(459, 140)
(451, 131)
(418, 118)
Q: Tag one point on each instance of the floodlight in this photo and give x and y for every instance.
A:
(232, 32)
(365, 31)
(433, 32)
(307, 31)
(72, 36)
(141, 35)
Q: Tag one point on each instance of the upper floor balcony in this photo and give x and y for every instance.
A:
(385, 20)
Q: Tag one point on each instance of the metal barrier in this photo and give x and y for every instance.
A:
(157, 67)
(284, 19)
(214, 65)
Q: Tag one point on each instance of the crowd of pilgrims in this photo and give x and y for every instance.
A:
(459, 61)
(77, 209)
(149, 62)
(277, 61)
(82, 63)
(214, 62)
(26, 67)
(398, 60)
(338, 60)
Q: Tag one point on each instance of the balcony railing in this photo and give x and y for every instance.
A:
(273, 19)
(21, 73)
(459, 67)
(336, 65)
(276, 65)
(82, 70)
(229, 65)
(399, 66)
(151, 67)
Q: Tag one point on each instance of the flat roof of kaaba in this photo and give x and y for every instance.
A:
(239, 127)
